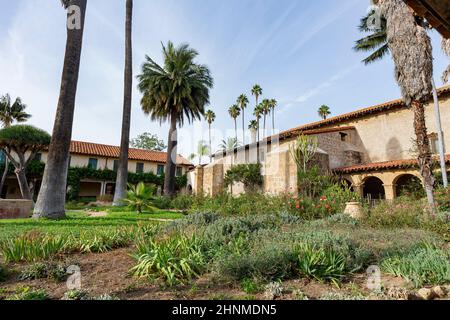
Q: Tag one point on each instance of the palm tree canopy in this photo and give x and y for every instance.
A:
(266, 106)
(202, 149)
(242, 101)
(257, 90)
(253, 125)
(375, 42)
(179, 88)
(229, 144)
(273, 104)
(12, 112)
(259, 111)
(210, 116)
(234, 111)
(411, 51)
(324, 111)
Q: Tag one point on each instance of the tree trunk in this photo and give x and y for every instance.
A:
(52, 196)
(122, 172)
(235, 132)
(5, 175)
(169, 178)
(243, 126)
(424, 152)
(440, 137)
(273, 121)
(210, 145)
(264, 132)
(23, 184)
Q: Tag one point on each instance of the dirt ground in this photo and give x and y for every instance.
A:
(108, 273)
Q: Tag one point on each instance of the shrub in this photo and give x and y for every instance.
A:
(175, 260)
(323, 264)
(27, 293)
(35, 271)
(443, 199)
(182, 202)
(162, 202)
(251, 286)
(139, 196)
(424, 265)
(104, 241)
(247, 174)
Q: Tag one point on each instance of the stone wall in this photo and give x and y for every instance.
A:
(15, 209)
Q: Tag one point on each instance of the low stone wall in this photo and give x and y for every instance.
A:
(15, 209)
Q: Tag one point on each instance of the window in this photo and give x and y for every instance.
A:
(179, 171)
(38, 157)
(139, 167)
(93, 163)
(434, 143)
(344, 137)
(160, 170)
(116, 165)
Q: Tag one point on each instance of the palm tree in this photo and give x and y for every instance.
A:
(122, 171)
(265, 108)
(253, 126)
(324, 112)
(243, 103)
(273, 105)
(229, 144)
(52, 195)
(175, 92)
(234, 112)
(210, 117)
(202, 150)
(411, 51)
(258, 114)
(257, 92)
(10, 113)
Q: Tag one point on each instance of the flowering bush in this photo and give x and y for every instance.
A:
(443, 199)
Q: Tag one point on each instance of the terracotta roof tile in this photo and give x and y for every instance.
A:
(102, 150)
(380, 166)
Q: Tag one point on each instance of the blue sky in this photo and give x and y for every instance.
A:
(299, 51)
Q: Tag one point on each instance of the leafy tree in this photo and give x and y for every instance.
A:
(175, 92)
(52, 195)
(210, 117)
(242, 102)
(10, 113)
(148, 141)
(248, 174)
(324, 112)
(122, 170)
(21, 143)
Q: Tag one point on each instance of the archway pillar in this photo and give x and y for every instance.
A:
(359, 189)
(389, 190)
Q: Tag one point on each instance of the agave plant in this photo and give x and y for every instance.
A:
(139, 197)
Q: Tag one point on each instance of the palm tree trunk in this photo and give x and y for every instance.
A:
(273, 121)
(52, 196)
(4, 176)
(243, 126)
(210, 145)
(235, 131)
(169, 178)
(440, 137)
(264, 132)
(122, 172)
(424, 152)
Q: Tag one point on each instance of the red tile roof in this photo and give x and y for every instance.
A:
(380, 108)
(107, 151)
(380, 166)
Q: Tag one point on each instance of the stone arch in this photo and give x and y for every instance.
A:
(408, 184)
(373, 188)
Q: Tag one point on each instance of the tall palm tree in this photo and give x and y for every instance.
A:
(265, 107)
(202, 150)
(175, 92)
(258, 112)
(411, 51)
(10, 113)
(210, 117)
(243, 103)
(273, 105)
(257, 92)
(52, 195)
(324, 111)
(122, 171)
(235, 112)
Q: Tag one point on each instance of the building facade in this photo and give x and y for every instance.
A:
(371, 148)
(101, 157)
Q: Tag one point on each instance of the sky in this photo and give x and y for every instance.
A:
(298, 51)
